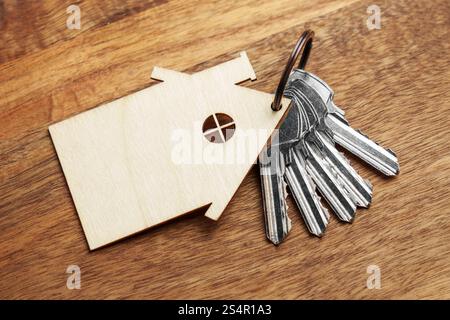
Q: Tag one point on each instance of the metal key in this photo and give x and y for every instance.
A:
(274, 195)
(324, 172)
(272, 170)
(359, 189)
(278, 161)
(305, 154)
(384, 160)
(353, 140)
(303, 189)
(326, 178)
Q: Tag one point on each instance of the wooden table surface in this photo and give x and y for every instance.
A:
(393, 83)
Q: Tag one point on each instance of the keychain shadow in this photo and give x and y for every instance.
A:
(205, 228)
(195, 219)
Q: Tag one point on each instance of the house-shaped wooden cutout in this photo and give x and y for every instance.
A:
(120, 159)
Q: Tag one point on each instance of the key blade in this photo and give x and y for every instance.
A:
(367, 150)
(303, 190)
(272, 169)
(273, 187)
(306, 86)
(327, 180)
(360, 190)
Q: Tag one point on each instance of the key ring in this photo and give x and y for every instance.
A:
(303, 47)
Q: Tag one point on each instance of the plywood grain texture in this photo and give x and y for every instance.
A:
(123, 160)
(393, 83)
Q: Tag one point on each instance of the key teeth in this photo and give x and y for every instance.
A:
(369, 184)
(376, 142)
(363, 134)
(274, 237)
(324, 210)
(337, 110)
(285, 192)
(288, 220)
(358, 190)
(339, 184)
(339, 117)
(391, 152)
(345, 158)
(318, 199)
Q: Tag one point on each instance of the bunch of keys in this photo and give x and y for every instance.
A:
(302, 155)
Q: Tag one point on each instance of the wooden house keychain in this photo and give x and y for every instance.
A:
(122, 162)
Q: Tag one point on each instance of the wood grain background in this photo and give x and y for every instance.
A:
(393, 83)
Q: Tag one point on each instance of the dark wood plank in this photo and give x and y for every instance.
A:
(30, 26)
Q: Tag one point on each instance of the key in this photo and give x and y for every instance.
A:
(359, 188)
(349, 180)
(384, 160)
(303, 189)
(304, 155)
(280, 167)
(325, 176)
(274, 195)
(322, 170)
(272, 170)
